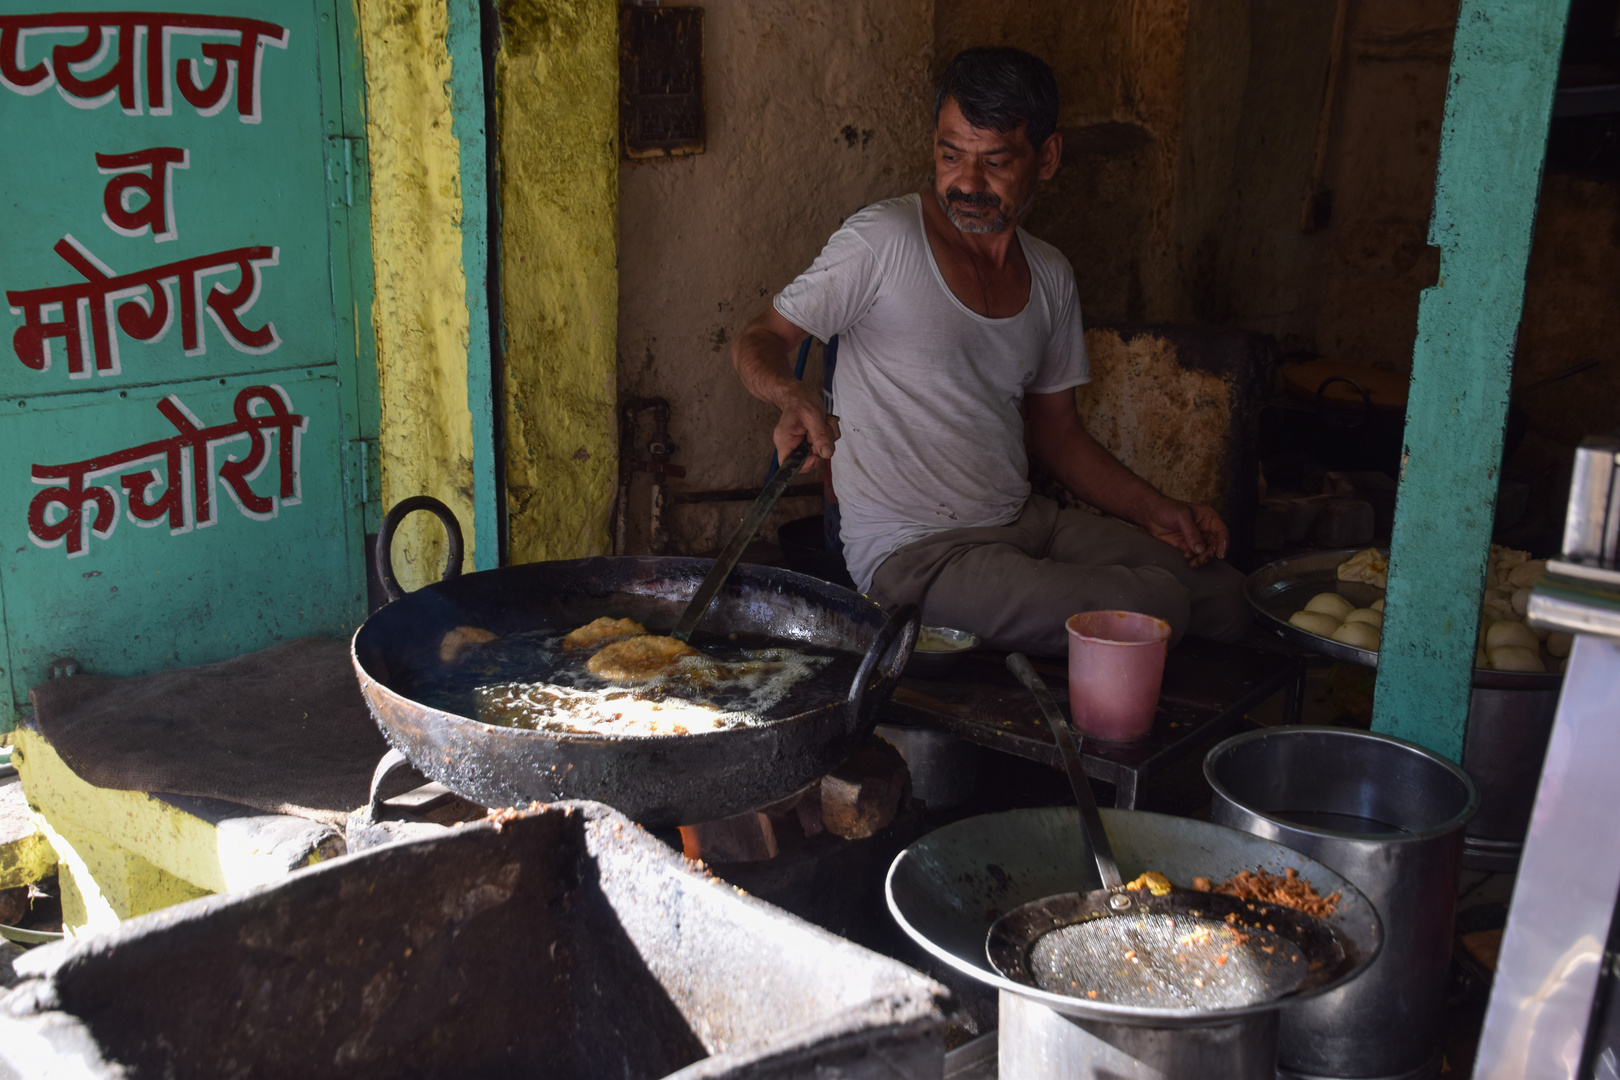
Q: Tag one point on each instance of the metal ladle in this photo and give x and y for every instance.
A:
(726, 561)
(1090, 820)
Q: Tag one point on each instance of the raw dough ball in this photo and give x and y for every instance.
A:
(1559, 643)
(1358, 634)
(1515, 658)
(1315, 622)
(1526, 573)
(1331, 604)
(1366, 615)
(1377, 605)
(1521, 599)
(1509, 633)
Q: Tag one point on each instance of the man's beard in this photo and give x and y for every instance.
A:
(996, 222)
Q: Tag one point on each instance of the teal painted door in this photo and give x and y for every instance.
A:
(183, 418)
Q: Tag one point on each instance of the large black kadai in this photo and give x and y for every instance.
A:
(559, 943)
(657, 780)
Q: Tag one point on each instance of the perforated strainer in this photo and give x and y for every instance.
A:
(1183, 949)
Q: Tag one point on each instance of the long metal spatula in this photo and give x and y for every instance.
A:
(1090, 820)
(733, 550)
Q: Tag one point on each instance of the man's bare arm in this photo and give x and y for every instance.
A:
(1061, 443)
(760, 355)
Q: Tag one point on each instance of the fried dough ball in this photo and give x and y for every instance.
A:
(1314, 622)
(1510, 633)
(1358, 634)
(458, 641)
(1330, 604)
(1515, 658)
(600, 631)
(638, 659)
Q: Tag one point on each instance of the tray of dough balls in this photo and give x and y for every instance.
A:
(1332, 602)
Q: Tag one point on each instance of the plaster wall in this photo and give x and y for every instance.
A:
(557, 93)
(419, 315)
(815, 108)
(1190, 126)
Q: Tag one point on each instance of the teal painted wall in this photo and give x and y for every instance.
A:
(182, 430)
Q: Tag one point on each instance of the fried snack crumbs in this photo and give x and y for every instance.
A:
(1289, 890)
(1091, 993)
(1153, 881)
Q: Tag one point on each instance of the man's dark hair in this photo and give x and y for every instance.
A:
(1001, 89)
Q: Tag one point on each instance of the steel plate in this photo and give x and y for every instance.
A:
(1279, 589)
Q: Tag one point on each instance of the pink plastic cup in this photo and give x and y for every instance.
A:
(1116, 663)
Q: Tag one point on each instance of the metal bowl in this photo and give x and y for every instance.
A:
(940, 663)
(1279, 589)
(947, 889)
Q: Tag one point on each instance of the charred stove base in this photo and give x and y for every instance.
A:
(562, 943)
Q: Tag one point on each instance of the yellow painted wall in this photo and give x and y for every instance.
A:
(557, 84)
(420, 313)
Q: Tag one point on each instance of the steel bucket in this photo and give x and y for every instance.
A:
(1389, 816)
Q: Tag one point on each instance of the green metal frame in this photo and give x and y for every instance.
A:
(1504, 68)
(343, 105)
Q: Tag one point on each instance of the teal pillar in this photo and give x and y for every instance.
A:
(1504, 66)
(464, 42)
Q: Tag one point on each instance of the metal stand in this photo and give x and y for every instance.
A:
(1039, 1044)
(1564, 904)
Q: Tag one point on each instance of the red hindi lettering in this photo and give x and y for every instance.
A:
(238, 60)
(58, 515)
(144, 308)
(143, 172)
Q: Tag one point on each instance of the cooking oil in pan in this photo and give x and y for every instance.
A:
(527, 680)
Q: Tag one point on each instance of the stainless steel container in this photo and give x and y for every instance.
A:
(1389, 816)
(1503, 750)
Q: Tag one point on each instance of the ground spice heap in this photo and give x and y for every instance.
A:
(1290, 890)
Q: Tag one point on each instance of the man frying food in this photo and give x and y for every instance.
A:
(960, 344)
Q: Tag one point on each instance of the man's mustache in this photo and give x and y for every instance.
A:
(986, 199)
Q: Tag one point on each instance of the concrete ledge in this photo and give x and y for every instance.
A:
(125, 853)
(25, 854)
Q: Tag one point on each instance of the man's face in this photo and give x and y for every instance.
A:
(986, 179)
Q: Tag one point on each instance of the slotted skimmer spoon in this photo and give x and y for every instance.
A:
(1183, 949)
